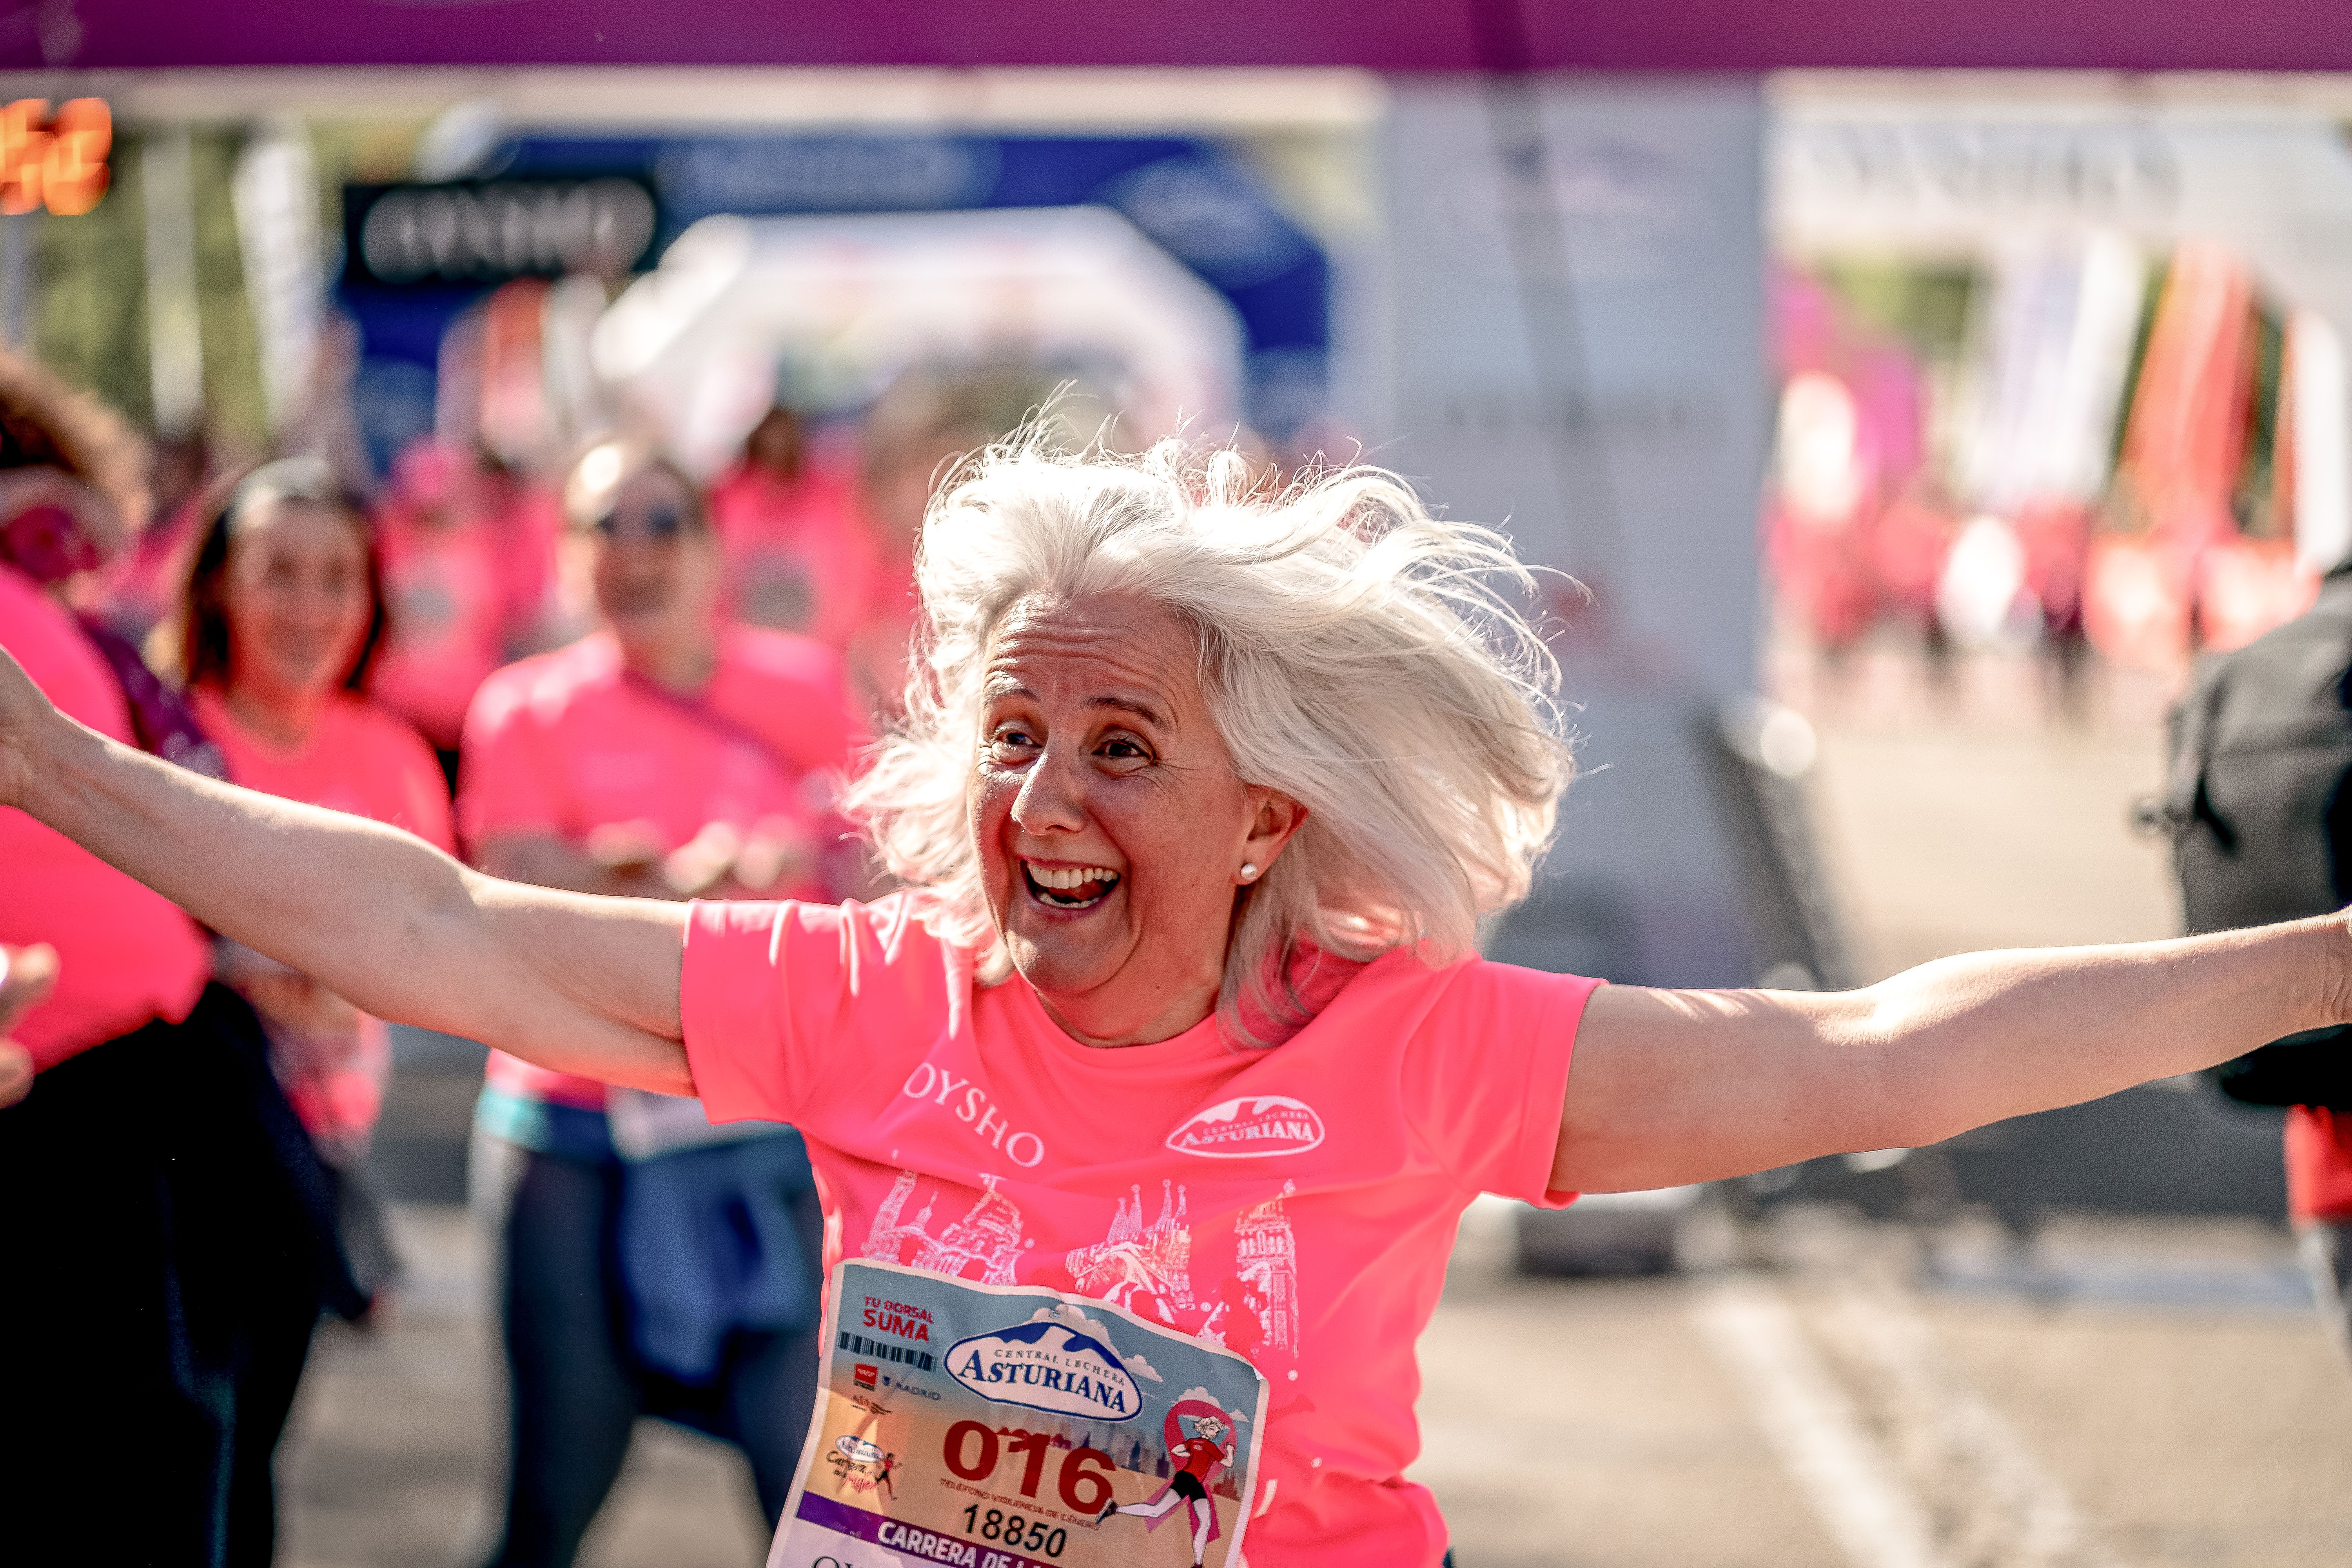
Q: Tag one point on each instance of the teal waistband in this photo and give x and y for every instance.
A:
(566, 1131)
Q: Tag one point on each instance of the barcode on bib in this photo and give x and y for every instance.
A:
(859, 1344)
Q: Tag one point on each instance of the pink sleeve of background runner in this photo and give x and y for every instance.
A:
(1488, 1071)
(508, 782)
(411, 776)
(774, 997)
(127, 955)
(530, 528)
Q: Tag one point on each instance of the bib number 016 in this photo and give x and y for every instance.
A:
(1083, 1483)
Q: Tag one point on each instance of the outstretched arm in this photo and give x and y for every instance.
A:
(1669, 1086)
(580, 984)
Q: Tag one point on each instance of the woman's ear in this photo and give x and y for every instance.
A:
(1274, 818)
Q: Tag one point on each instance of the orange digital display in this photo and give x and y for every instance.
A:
(54, 161)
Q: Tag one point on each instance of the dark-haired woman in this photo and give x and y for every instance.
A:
(283, 614)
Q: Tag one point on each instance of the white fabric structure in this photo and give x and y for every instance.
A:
(2055, 343)
(695, 344)
(2320, 402)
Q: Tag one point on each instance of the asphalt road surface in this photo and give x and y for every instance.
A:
(1822, 1392)
(1815, 1389)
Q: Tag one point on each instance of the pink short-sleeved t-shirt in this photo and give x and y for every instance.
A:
(799, 555)
(361, 757)
(568, 742)
(125, 955)
(1297, 1203)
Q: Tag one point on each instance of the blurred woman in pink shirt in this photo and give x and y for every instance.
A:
(799, 554)
(468, 573)
(669, 754)
(281, 618)
(170, 1238)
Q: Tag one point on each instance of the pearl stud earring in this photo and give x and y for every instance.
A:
(1249, 871)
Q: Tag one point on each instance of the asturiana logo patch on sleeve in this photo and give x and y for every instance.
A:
(1250, 1128)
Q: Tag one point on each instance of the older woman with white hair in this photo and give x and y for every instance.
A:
(1199, 798)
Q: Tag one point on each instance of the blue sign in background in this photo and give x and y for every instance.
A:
(1193, 199)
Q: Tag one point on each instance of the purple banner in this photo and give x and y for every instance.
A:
(909, 1539)
(1382, 34)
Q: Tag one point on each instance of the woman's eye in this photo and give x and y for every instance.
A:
(1015, 739)
(1119, 747)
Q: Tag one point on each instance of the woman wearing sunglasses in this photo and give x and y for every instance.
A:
(669, 754)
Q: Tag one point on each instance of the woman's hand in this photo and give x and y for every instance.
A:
(626, 860)
(27, 974)
(287, 997)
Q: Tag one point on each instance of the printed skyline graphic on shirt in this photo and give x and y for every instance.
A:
(1144, 1266)
(1146, 1269)
(988, 1235)
(1265, 1257)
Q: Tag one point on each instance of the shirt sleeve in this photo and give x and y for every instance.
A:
(508, 782)
(798, 697)
(429, 801)
(424, 792)
(778, 1000)
(829, 729)
(1487, 1073)
(41, 634)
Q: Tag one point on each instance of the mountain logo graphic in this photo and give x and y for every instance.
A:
(1049, 1366)
(1250, 1128)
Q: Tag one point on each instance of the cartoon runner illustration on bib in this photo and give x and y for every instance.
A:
(1198, 1447)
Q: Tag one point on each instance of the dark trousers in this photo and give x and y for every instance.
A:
(575, 1390)
(165, 1246)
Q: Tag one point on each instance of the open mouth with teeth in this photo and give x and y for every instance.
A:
(1068, 886)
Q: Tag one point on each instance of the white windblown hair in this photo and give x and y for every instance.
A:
(1354, 652)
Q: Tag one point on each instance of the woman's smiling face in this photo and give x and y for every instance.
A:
(296, 591)
(1112, 831)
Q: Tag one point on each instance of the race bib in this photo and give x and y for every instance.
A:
(1000, 1427)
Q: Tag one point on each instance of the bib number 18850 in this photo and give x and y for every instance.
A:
(1014, 1530)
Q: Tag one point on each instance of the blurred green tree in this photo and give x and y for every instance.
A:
(91, 318)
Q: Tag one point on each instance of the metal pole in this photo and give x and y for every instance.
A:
(1536, 237)
(176, 343)
(23, 284)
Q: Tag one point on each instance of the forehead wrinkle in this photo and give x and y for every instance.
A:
(1111, 662)
(1007, 675)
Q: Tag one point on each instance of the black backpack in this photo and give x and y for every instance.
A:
(2261, 816)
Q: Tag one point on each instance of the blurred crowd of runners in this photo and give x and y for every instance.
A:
(605, 676)
(2073, 449)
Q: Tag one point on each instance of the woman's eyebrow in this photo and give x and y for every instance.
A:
(1135, 705)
